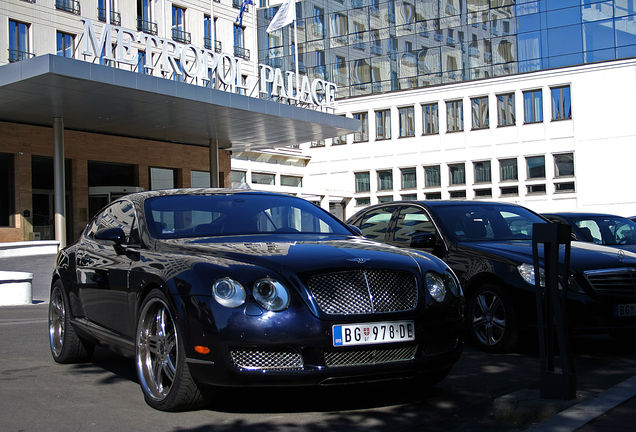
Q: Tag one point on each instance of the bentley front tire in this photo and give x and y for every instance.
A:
(66, 345)
(163, 373)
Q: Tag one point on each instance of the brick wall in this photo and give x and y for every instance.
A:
(25, 141)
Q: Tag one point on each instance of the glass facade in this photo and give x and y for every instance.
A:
(377, 46)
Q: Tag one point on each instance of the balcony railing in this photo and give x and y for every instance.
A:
(241, 52)
(68, 6)
(115, 17)
(207, 43)
(16, 55)
(146, 26)
(181, 36)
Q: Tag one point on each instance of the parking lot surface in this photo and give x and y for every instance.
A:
(36, 394)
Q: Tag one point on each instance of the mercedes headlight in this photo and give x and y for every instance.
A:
(452, 284)
(527, 273)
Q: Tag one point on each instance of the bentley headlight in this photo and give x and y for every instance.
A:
(435, 286)
(451, 283)
(271, 294)
(228, 292)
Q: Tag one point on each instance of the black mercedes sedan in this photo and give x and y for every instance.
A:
(599, 228)
(489, 247)
(207, 288)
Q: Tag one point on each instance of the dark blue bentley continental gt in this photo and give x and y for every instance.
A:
(212, 287)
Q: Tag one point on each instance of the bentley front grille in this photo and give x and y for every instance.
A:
(364, 291)
(615, 282)
(266, 358)
(338, 358)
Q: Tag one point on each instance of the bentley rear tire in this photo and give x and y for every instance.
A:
(66, 345)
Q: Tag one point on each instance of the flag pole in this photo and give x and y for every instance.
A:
(296, 58)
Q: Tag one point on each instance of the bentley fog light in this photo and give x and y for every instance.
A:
(435, 286)
(228, 292)
(452, 284)
(271, 294)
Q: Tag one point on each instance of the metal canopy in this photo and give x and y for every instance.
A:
(106, 100)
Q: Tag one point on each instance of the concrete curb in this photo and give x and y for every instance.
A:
(30, 248)
(582, 413)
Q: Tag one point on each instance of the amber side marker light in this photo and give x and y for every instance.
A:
(201, 349)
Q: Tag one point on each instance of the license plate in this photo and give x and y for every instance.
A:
(374, 333)
(626, 310)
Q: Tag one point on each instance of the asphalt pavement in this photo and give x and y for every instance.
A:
(36, 394)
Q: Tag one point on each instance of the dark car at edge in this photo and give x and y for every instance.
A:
(598, 228)
(206, 288)
(489, 247)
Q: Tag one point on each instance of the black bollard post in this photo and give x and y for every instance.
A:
(551, 311)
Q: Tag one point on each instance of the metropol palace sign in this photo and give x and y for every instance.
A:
(201, 65)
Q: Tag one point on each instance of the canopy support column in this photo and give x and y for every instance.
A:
(214, 163)
(59, 182)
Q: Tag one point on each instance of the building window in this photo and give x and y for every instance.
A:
(179, 33)
(385, 199)
(293, 181)
(144, 17)
(561, 106)
(319, 143)
(239, 43)
(455, 116)
(407, 122)
(263, 178)
(482, 172)
(363, 182)
(18, 41)
(383, 124)
(480, 113)
(508, 170)
(532, 106)
(199, 179)
(115, 17)
(363, 135)
(506, 110)
(509, 191)
(432, 176)
(536, 167)
(238, 178)
(409, 178)
(458, 194)
(6, 190)
(483, 193)
(409, 197)
(430, 119)
(564, 187)
(564, 165)
(457, 174)
(536, 189)
(363, 201)
(385, 180)
(433, 196)
(162, 178)
(65, 45)
(339, 140)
